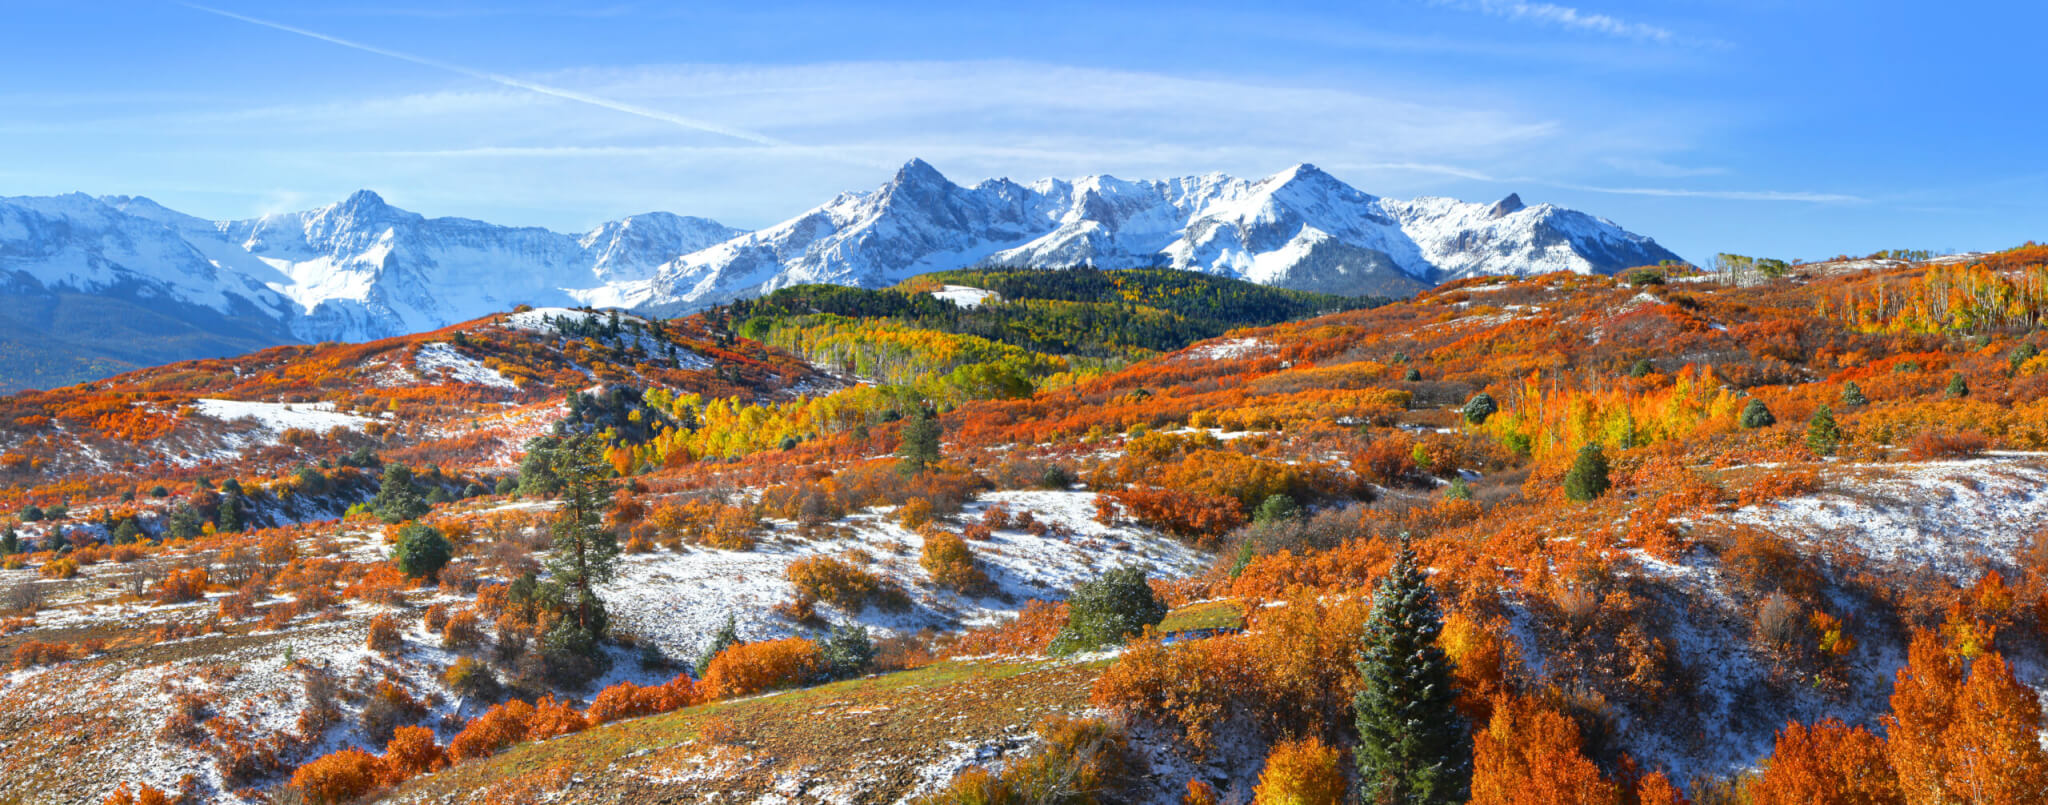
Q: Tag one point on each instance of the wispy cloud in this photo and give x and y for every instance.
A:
(1726, 195)
(1659, 169)
(509, 81)
(1565, 17)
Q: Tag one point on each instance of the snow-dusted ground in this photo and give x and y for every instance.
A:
(442, 357)
(965, 296)
(678, 599)
(1944, 515)
(278, 417)
(547, 319)
(1228, 349)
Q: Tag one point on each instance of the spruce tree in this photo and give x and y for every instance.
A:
(1822, 434)
(230, 517)
(10, 542)
(919, 445)
(1478, 408)
(1587, 479)
(2020, 355)
(1957, 387)
(1275, 508)
(1852, 395)
(398, 498)
(1413, 746)
(1459, 490)
(585, 552)
(422, 551)
(1757, 415)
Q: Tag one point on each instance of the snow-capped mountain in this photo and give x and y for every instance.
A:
(1300, 228)
(103, 284)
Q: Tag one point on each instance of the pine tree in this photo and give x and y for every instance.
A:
(183, 522)
(1642, 368)
(1852, 395)
(10, 542)
(1108, 610)
(1587, 479)
(422, 551)
(919, 445)
(1957, 387)
(1458, 490)
(2020, 355)
(1479, 408)
(230, 517)
(1275, 508)
(1757, 415)
(1413, 746)
(398, 499)
(1822, 434)
(585, 552)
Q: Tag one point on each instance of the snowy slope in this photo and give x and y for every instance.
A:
(355, 270)
(362, 269)
(1299, 228)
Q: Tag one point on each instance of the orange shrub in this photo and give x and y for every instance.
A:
(380, 584)
(1531, 753)
(749, 668)
(499, 727)
(1303, 772)
(915, 513)
(337, 778)
(1778, 486)
(834, 581)
(1201, 518)
(463, 631)
(1828, 762)
(59, 569)
(410, 753)
(627, 700)
(1935, 445)
(951, 563)
(144, 795)
(32, 653)
(552, 717)
(182, 586)
(1030, 633)
(387, 636)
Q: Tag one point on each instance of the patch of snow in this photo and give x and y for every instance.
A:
(965, 296)
(1228, 349)
(443, 357)
(278, 417)
(678, 600)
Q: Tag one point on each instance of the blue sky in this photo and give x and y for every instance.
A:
(1774, 127)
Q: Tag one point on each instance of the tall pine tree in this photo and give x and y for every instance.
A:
(584, 552)
(1413, 747)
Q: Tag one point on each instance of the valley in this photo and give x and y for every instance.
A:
(864, 540)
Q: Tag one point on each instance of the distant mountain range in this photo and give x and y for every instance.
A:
(92, 286)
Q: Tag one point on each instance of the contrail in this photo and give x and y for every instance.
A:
(509, 81)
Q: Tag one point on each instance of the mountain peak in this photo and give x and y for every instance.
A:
(364, 200)
(918, 171)
(1506, 206)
